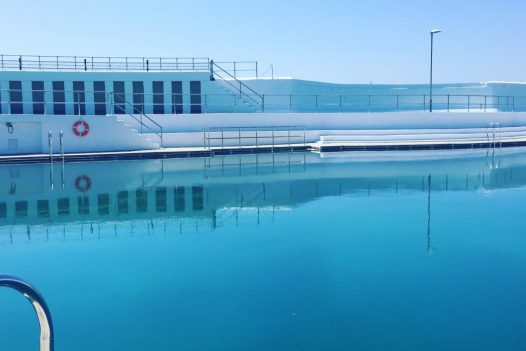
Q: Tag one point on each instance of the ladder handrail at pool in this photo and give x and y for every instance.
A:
(40, 306)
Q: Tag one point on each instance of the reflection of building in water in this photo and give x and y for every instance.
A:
(172, 195)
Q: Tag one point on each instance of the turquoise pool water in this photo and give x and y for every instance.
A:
(374, 251)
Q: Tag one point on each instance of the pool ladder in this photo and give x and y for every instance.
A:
(494, 141)
(494, 135)
(40, 306)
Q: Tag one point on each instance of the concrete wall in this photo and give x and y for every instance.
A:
(187, 130)
(106, 133)
(110, 133)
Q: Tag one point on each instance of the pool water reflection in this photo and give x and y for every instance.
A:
(370, 251)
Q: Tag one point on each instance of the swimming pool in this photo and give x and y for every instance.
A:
(358, 251)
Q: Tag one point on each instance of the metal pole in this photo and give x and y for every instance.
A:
(432, 32)
(62, 145)
(431, 78)
(50, 145)
(211, 64)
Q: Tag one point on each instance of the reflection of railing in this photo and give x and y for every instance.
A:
(217, 138)
(40, 306)
(255, 164)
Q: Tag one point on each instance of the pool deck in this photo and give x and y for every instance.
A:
(182, 152)
(186, 152)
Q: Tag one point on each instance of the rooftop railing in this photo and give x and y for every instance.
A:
(94, 63)
(107, 63)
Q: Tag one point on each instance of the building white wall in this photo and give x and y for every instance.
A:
(107, 133)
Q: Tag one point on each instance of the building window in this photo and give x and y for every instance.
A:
(79, 98)
(3, 210)
(197, 198)
(177, 97)
(158, 97)
(43, 208)
(122, 202)
(103, 204)
(59, 98)
(141, 198)
(179, 196)
(83, 204)
(15, 97)
(195, 96)
(99, 97)
(21, 209)
(63, 206)
(138, 97)
(160, 199)
(37, 88)
(119, 100)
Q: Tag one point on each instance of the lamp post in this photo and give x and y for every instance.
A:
(432, 32)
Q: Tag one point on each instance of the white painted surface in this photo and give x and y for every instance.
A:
(107, 133)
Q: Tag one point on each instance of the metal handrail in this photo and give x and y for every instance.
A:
(239, 66)
(141, 114)
(40, 306)
(258, 133)
(260, 103)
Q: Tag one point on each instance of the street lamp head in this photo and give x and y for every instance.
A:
(434, 31)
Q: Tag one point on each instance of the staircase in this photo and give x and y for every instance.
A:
(144, 125)
(247, 99)
(146, 137)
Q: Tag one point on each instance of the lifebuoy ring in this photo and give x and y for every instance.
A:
(80, 128)
(83, 183)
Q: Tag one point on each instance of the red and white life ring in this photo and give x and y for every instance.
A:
(80, 128)
(83, 183)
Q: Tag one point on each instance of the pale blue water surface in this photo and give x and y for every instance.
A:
(372, 251)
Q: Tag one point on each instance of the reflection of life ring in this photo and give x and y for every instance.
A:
(83, 183)
(81, 128)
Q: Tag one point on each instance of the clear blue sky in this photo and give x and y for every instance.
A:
(383, 41)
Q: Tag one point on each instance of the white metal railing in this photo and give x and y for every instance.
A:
(239, 68)
(243, 89)
(83, 102)
(99, 63)
(109, 63)
(219, 138)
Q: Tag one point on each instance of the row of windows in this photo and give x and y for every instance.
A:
(120, 105)
(122, 203)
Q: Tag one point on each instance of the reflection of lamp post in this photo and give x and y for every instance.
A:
(432, 32)
(429, 248)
